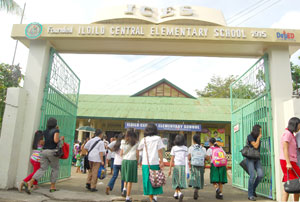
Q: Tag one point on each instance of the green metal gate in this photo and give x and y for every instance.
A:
(60, 101)
(250, 105)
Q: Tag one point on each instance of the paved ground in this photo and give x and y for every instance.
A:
(73, 190)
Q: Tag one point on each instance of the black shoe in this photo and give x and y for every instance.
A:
(124, 193)
(128, 200)
(88, 186)
(175, 197)
(218, 196)
(196, 194)
(251, 198)
(153, 200)
(254, 194)
(93, 190)
(180, 197)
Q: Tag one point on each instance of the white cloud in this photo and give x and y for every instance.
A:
(289, 21)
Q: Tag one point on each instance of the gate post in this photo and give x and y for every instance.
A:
(281, 91)
(34, 84)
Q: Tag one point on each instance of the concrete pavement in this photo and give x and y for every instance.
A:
(73, 189)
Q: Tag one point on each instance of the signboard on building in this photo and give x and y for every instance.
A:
(218, 134)
(165, 126)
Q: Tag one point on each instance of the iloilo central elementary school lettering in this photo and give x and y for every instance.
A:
(161, 130)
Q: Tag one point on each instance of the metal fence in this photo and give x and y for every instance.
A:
(250, 105)
(60, 101)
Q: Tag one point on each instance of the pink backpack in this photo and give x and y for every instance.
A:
(218, 157)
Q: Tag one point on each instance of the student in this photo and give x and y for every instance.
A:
(35, 158)
(152, 157)
(96, 150)
(179, 152)
(298, 148)
(218, 175)
(197, 154)
(112, 153)
(288, 155)
(130, 156)
(78, 161)
(117, 164)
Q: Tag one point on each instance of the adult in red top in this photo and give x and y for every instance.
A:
(288, 155)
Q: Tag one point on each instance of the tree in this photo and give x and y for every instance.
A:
(10, 76)
(10, 6)
(220, 88)
(295, 70)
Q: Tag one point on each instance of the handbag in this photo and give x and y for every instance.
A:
(243, 164)
(292, 186)
(250, 152)
(66, 150)
(59, 151)
(157, 177)
(101, 172)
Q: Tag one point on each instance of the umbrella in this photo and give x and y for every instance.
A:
(86, 129)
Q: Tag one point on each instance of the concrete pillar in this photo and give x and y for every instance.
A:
(34, 84)
(141, 136)
(193, 133)
(80, 133)
(281, 91)
(10, 140)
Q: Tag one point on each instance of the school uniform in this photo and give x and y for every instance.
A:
(154, 143)
(179, 179)
(217, 174)
(129, 163)
(197, 172)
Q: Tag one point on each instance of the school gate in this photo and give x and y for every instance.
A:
(177, 31)
(251, 104)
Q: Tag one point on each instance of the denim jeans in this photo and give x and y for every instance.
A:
(255, 178)
(111, 183)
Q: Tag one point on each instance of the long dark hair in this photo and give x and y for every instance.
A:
(150, 130)
(255, 131)
(213, 141)
(118, 142)
(179, 140)
(131, 137)
(38, 136)
(51, 123)
(293, 124)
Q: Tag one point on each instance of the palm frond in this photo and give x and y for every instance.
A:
(10, 6)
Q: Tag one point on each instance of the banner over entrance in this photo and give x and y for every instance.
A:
(165, 126)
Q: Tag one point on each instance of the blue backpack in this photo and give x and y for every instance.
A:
(198, 156)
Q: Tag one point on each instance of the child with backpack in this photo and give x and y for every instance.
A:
(197, 155)
(218, 170)
(179, 152)
(35, 158)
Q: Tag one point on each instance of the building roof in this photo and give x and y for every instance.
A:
(163, 81)
(124, 107)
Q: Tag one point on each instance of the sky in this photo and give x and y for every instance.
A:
(128, 74)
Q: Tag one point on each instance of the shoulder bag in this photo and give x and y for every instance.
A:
(292, 186)
(156, 177)
(250, 152)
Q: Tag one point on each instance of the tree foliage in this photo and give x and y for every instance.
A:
(10, 76)
(295, 69)
(10, 6)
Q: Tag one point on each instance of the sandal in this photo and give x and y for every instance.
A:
(27, 190)
(53, 190)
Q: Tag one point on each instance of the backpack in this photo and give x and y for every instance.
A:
(197, 156)
(218, 157)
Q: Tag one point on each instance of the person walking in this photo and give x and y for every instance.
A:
(37, 147)
(218, 175)
(51, 137)
(288, 155)
(96, 151)
(117, 164)
(155, 156)
(112, 154)
(179, 152)
(254, 165)
(197, 154)
(130, 156)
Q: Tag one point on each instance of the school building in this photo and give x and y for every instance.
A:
(163, 103)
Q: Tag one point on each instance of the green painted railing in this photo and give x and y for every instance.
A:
(250, 105)
(60, 101)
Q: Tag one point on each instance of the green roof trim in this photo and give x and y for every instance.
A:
(169, 109)
(160, 82)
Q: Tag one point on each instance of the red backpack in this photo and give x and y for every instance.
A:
(66, 150)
